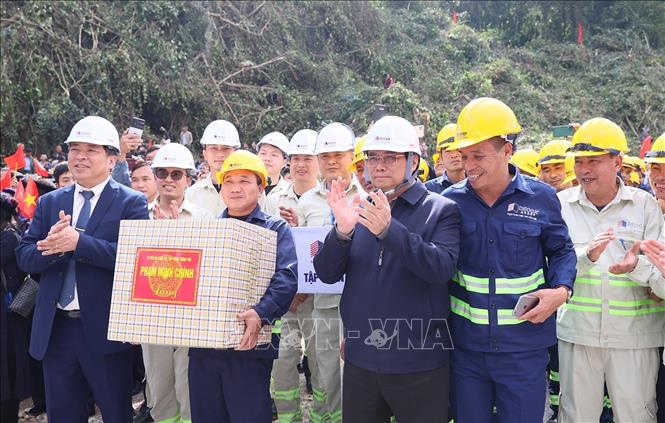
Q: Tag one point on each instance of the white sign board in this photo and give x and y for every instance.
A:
(308, 242)
(420, 130)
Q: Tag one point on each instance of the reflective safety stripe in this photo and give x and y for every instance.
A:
(319, 395)
(636, 308)
(554, 400)
(519, 285)
(475, 315)
(185, 420)
(277, 327)
(506, 317)
(554, 376)
(594, 277)
(584, 304)
(286, 395)
(174, 419)
(335, 416)
(607, 402)
(315, 417)
(289, 417)
(472, 283)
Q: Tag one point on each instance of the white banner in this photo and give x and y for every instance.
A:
(308, 242)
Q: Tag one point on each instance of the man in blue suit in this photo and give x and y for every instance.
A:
(72, 243)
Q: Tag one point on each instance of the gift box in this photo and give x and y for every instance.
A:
(183, 282)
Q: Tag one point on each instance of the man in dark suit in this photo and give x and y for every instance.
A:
(72, 243)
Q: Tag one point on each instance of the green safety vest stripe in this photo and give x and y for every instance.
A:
(506, 317)
(554, 376)
(480, 316)
(554, 400)
(319, 395)
(517, 285)
(289, 417)
(174, 419)
(335, 416)
(475, 315)
(286, 395)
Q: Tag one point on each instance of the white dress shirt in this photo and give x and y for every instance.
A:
(76, 210)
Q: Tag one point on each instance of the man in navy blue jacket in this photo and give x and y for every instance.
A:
(72, 242)
(233, 385)
(398, 249)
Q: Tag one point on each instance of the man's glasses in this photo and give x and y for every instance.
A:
(387, 160)
(176, 175)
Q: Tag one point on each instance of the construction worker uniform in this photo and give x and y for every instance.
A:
(438, 184)
(518, 245)
(234, 386)
(295, 327)
(313, 210)
(611, 329)
(167, 386)
(395, 308)
(204, 194)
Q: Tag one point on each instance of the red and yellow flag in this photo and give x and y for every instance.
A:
(27, 198)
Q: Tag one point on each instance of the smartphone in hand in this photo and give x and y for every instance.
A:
(524, 304)
(136, 126)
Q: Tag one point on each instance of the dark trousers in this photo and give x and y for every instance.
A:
(229, 388)
(412, 397)
(71, 370)
(513, 382)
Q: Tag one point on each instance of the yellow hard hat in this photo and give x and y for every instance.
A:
(358, 154)
(526, 160)
(244, 160)
(422, 166)
(598, 136)
(635, 177)
(634, 162)
(446, 136)
(570, 170)
(657, 153)
(482, 119)
(435, 158)
(554, 152)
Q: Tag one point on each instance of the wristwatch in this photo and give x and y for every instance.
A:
(569, 289)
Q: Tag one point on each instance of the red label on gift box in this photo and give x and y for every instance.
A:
(166, 275)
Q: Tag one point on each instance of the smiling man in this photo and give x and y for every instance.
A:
(514, 242)
(233, 385)
(554, 163)
(72, 242)
(273, 150)
(453, 169)
(611, 329)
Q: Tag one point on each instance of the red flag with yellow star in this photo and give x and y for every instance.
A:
(39, 169)
(27, 198)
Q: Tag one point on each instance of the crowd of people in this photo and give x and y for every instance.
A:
(507, 284)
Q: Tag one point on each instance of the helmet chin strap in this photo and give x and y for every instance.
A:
(408, 180)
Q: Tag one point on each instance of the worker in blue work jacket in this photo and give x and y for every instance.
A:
(398, 248)
(514, 242)
(233, 385)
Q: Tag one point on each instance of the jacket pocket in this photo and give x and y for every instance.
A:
(521, 239)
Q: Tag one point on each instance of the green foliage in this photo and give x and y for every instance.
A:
(284, 66)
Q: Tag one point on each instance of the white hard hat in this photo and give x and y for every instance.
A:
(276, 139)
(303, 142)
(335, 137)
(221, 132)
(95, 130)
(392, 133)
(173, 155)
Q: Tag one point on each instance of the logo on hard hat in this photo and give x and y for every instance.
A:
(378, 138)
